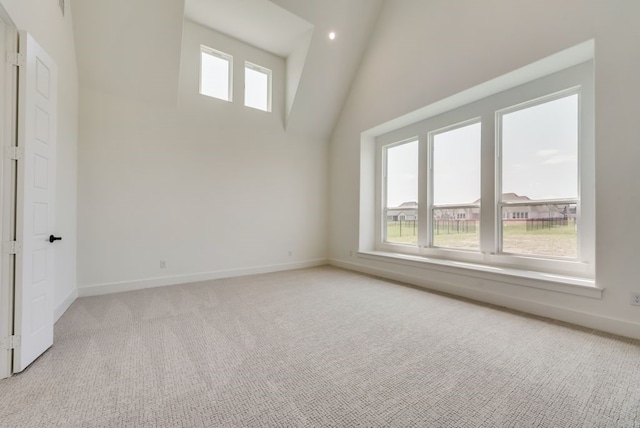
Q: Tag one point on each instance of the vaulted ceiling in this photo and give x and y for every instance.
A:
(132, 47)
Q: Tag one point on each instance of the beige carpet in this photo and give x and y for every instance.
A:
(319, 347)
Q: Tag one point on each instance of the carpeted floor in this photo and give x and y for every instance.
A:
(319, 347)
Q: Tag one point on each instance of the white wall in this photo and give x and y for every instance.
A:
(213, 188)
(422, 52)
(54, 33)
(130, 47)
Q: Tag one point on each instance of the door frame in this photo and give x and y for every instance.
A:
(8, 168)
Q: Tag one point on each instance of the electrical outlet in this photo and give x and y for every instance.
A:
(163, 264)
(290, 253)
(350, 253)
(635, 299)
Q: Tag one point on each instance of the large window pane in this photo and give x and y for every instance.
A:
(540, 150)
(456, 166)
(456, 181)
(401, 225)
(540, 162)
(548, 230)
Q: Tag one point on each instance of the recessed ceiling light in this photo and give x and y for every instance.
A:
(332, 35)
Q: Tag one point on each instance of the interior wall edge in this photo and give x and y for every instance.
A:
(140, 284)
(64, 304)
(572, 316)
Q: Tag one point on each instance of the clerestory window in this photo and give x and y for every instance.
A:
(216, 71)
(257, 87)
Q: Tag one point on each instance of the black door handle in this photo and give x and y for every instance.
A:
(54, 238)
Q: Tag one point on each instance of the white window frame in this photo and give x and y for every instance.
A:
(487, 110)
(515, 204)
(229, 58)
(431, 206)
(382, 231)
(264, 70)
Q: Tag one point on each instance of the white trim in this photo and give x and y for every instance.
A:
(118, 287)
(545, 281)
(62, 307)
(584, 319)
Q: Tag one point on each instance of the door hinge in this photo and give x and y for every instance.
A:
(13, 247)
(14, 153)
(11, 342)
(15, 58)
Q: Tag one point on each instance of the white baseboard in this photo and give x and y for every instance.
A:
(118, 287)
(584, 319)
(62, 307)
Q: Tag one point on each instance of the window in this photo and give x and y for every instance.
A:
(539, 173)
(215, 73)
(505, 180)
(257, 87)
(401, 193)
(456, 186)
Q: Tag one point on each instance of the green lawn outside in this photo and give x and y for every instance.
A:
(559, 241)
(405, 232)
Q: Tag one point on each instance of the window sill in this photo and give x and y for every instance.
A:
(558, 283)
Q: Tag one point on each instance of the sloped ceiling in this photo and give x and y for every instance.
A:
(330, 66)
(260, 23)
(133, 47)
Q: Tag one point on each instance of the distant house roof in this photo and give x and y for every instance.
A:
(406, 208)
(514, 197)
(412, 206)
(510, 197)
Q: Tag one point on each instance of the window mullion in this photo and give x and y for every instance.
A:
(490, 186)
(426, 157)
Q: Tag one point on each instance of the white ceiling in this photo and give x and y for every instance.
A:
(259, 23)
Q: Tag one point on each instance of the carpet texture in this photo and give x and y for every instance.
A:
(319, 347)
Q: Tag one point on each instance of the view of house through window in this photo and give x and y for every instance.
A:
(401, 178)
(215, 73)
(540, 178)
(497, 181)
(456, 187)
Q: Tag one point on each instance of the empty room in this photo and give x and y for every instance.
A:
(346, 213)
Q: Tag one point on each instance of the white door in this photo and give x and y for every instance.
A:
(37, 105)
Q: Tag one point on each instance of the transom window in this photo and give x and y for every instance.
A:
(216, 73)
(257, 87)
(506, 180)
